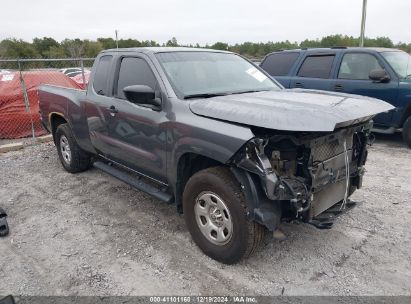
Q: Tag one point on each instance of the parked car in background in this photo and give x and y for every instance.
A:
(376, 72)
(82, 82)
(74, 74)
(17, 120)
(77, 75)
(70, 70)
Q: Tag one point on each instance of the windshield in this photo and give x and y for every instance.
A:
(207, 74)
(400, 62)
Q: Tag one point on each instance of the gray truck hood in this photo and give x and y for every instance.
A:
(291, 110)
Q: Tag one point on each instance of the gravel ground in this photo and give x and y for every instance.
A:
(90, 234)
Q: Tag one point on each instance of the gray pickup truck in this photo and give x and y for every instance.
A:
(212, 133)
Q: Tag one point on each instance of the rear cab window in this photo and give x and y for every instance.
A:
(279, 64)
(101, 75)
(317, 66)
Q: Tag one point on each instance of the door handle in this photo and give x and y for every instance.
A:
(338, 88)
(299, 85)
(113, 110)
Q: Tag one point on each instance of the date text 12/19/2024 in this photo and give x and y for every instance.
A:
(203, 299)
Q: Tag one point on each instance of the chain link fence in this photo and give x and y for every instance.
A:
(19, 83)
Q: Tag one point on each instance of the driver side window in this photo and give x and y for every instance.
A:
(134, 71)
(357, 66)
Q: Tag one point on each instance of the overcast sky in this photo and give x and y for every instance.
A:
(203, 21)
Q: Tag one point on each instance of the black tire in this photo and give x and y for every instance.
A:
(80, 160)
(406, 132)
(246, 236)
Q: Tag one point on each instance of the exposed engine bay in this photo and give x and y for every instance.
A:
(306, 173)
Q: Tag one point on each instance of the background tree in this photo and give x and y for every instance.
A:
(13, 48)
(57, 52)
(379, 42)
(43, 46)
(308, 43)
(220, 46)
(48, 47)
(107, 43)
(172, 42)
(74, 48)
(91, 48)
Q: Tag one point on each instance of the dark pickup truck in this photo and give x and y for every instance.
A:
(212, 133)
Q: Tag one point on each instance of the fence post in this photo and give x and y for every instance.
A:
(82, 72)
(26, 100)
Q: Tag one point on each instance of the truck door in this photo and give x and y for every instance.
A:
(353, 78)
(136, 133)
(131, 134)
(314, 72)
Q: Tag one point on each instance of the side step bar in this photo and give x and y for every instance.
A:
(134, 182)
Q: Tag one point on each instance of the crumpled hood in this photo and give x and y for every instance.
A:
(291, 110)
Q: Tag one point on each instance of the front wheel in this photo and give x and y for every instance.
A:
(72, 157)
(406, 132)
(215, 213)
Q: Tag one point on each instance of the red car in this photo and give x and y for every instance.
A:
(15, 117)
(79, 79)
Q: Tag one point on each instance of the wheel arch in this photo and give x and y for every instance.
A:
(188, 164)
(260, 208)
(406, 113)
(56, 119)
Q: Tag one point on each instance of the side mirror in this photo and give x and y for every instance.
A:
(379, 75)
(142, 94)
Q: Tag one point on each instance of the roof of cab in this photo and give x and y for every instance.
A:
(162, 50)
(341, 48)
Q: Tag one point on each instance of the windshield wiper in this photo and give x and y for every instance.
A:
(204, 95)
(208, 95)
(248, 91)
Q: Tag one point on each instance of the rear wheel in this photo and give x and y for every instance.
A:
(72, 157)
(406, 131)
(215, 214)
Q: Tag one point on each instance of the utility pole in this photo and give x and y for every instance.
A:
(364, 15)
(116, 31)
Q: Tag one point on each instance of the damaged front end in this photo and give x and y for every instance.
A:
(297, 175)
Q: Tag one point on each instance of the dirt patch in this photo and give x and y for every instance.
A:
(90, 234)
